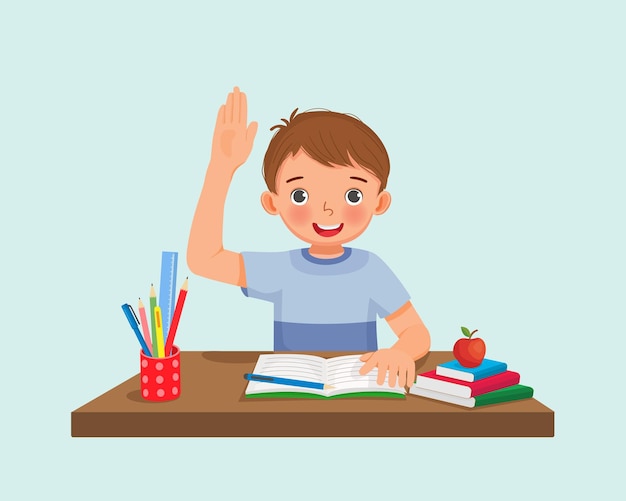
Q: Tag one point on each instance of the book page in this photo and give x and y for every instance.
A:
(292, 366)
(343, 374)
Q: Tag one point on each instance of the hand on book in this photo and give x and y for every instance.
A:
(399, 364)
(233, 137)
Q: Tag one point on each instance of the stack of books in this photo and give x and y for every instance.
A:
(489, 383)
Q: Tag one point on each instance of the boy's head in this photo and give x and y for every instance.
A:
(326, 173)
(329, 138)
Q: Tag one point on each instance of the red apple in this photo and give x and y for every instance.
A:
(469, 351)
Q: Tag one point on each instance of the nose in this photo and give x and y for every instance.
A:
(328, 209)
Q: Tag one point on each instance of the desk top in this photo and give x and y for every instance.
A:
(212, 404)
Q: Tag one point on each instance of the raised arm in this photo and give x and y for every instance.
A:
(232, 143)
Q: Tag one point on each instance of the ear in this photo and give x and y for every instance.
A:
(383, 203)
(267, 201)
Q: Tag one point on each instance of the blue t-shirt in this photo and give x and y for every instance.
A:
(324, 304)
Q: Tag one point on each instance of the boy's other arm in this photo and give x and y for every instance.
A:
(232, 143)
(399, 360)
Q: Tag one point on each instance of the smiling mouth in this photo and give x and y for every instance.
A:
(327, 231)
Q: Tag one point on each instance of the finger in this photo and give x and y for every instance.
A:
(251, 132)
(366, 356)
(221, 115)
(236, 104)
(410, 378)
(368, 366)
(402, 377)
(382, 372)
(243, 108)
(229, 107)
(393, 375)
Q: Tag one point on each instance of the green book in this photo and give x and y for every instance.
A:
(338, 375)
(508, 394)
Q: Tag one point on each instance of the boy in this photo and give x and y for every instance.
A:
(326, 173)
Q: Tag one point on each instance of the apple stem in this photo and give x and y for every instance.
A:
(472, 333)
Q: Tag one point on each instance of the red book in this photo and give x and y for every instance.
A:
(431, 381)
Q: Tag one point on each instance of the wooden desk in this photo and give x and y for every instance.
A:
(212, 404)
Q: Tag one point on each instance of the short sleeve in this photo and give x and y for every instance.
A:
(388, 294)
(265, 273)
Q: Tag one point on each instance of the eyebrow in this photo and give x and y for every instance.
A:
(358, 178)
(293, 179)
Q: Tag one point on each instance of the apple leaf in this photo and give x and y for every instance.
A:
(466, 332)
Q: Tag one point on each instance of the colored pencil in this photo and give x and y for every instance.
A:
(159, 332)
(144, 324)
(153, 303)
(182, 294)
(262, 378)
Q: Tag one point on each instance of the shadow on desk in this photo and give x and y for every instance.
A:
(212, 403)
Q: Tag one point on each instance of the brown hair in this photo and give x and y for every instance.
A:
(328, 138)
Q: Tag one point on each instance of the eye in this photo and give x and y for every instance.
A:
(299, 196)
(354, 196)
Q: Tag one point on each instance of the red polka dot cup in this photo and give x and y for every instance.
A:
(160, 377)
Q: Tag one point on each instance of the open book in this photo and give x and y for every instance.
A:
(340, 372)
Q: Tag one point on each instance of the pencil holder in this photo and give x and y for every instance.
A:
(160, 377)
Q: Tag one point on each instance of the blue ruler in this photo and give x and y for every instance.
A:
(167, 289)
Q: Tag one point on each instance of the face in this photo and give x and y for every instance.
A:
(325, 206)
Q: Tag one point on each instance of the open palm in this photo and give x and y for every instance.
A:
(233, 137)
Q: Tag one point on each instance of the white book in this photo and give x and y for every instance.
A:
(443, 397)
(342, 373)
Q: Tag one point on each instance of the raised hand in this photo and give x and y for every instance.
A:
(233, 136)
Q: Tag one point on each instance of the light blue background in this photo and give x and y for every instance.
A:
(505, 126)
